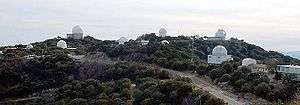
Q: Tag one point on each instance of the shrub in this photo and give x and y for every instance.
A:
(262, 89)
(216, 73)
(238, 84)
(224, 78)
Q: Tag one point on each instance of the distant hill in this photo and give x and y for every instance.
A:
(295, 54)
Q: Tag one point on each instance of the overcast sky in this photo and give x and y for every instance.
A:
(272, 24)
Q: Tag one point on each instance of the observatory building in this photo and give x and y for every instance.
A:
(144, 42)
(29, 46)
(248, 61)
(122, 40)
(77, 33)
(219, 55)
(164, 42)
(219, 35)
(163, 32)
(254, 66)
(62, 44)
(291, 70)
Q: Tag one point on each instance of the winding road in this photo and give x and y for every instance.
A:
(229, 98)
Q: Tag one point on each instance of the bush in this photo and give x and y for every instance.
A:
(262, 89)
(244, 70)
(247, 87)
(216, 73)
(79, 101)
(224, 78)
(214, 101)
(163, 75)
(238, 84)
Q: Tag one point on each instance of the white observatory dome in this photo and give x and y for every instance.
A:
(122, 40)
(29, 46)
(165, 42)
(77, 30)
(220, 33)
(62, 44)
(248, 61)
(219, 51)
(163, 32)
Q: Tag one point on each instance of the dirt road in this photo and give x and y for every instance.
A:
(229, 98)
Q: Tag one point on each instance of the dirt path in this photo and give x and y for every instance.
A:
(229, 98)
(21, 100)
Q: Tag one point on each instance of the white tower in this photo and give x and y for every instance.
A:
(77, 33)
(219, 55)
(162, 32)
(62, 44)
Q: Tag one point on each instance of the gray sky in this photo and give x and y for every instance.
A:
(272, 24)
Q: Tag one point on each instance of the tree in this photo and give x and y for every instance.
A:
(79, 101)
(262, 89)
(163, 74)
(216, 73)
(247, 87)
(224, 78)
(90, 91)
(244, 70)
(214, 101)
(229, 67)
(238, 84)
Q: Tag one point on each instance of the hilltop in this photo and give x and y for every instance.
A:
(180, 47)
(54, 69)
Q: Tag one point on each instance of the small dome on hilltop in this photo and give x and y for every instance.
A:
(62, 44)
(29, 46)
(122, 40)
(165, 42)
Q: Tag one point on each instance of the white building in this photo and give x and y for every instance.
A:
(289, 70)
(219, 55)
(219, 35)
(29, 46)
(249, 61)
(62, 44)
(144, 42)
(252, 64)
(77, 33)
(259, 68)
(162, 32)
(198, 36)
(122, 40)
(164, 42)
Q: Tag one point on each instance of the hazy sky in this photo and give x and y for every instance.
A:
(272, 24)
